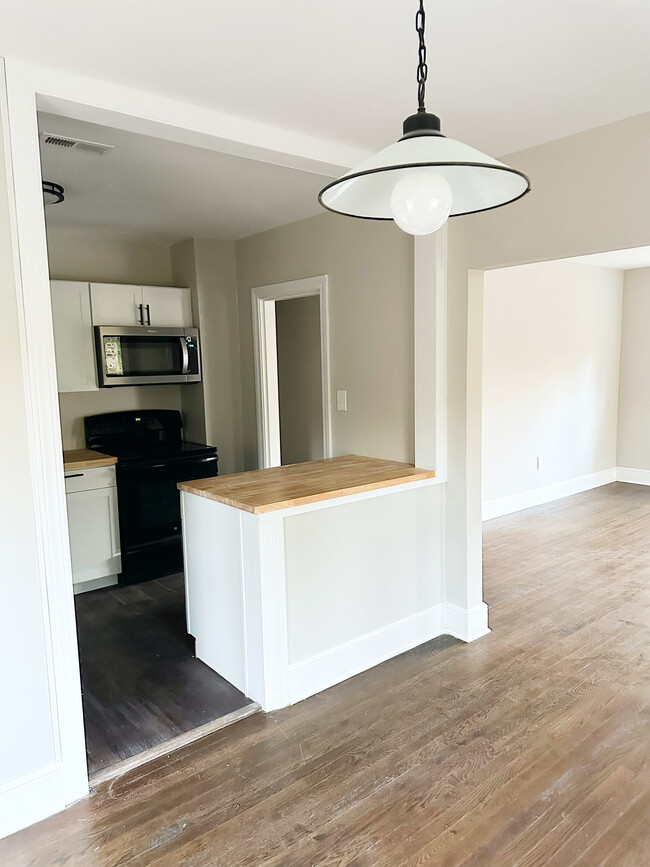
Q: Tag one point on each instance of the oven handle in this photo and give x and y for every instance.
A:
(186, 356)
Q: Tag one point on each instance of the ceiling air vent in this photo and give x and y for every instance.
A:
(62, 141)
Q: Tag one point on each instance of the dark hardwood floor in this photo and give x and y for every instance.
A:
(142, 684)
(528, 748)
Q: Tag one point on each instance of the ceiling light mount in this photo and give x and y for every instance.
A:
(424, 178)
(53, 193)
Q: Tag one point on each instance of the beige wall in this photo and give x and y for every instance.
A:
(299, 379)
(183, 258)
(634, 398)
(76, 255)
(208, 267)
(370, 270)
(551, 346)
(590, 194)
(73, 406)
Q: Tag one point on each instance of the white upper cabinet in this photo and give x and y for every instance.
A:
(116, 304)
(167, 306)
(122, 304)
(73, 336)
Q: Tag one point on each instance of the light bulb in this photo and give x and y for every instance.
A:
(421, 201)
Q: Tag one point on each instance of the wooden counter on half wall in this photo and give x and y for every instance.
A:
(276, 488)
(301, 576)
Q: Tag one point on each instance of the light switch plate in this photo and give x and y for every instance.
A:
(342, 401)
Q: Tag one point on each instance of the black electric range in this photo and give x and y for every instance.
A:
(152, 457)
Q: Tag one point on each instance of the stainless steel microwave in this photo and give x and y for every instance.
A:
(141, 355)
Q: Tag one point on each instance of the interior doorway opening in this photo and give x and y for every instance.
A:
(564, 370)
(120, 310)
(300, 385)
(291, 345)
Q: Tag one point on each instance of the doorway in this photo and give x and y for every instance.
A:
(291, 340)
(300, 397)
(125, 448)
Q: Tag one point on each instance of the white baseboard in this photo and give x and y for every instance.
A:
(339, 663)
(468, 624)
(326, 669)
(633, 477)
(548, 493)
(30, 798)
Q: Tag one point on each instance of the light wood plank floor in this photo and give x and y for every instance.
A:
(529, 747)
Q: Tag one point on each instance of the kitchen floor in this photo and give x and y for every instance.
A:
(142, 684)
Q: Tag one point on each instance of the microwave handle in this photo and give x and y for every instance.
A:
(186, 356)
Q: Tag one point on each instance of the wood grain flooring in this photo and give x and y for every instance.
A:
(529, 747)
(142, 684)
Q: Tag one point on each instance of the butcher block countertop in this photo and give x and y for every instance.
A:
(84, 459)
(277, 488)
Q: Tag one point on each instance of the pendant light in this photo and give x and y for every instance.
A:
(424, 178)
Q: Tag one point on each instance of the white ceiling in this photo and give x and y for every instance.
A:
(159, 190)
(626, 260)
(503, 75)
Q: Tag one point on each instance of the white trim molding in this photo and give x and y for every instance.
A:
(263, 299)
(633, 477)
(548, 493)
(30, 798)
(336, 664)
(51, 788)
(430, 351)
(468, 624)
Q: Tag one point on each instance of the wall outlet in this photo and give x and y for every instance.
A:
(540, 462)
(342, 401)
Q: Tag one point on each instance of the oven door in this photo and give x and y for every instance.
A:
(150, 515)
(146, 356)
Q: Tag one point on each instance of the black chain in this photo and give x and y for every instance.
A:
(423, 69)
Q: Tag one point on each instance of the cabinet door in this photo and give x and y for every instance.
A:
(94, 534)
(73, 336)
(168, 306)
(115, 303)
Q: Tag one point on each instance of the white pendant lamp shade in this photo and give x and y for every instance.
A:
(477, 181)
(424, 178)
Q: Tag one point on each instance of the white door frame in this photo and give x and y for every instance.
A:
(25, 88)
(263, 300)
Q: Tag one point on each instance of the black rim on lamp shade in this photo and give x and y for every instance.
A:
(52, 193)
(478, 182)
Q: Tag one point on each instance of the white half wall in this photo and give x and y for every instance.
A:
(551, 348)
(361, 566)
(634, 393)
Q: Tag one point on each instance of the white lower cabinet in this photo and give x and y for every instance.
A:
(94, 527)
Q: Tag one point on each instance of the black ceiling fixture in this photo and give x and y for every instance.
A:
(52, 193)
